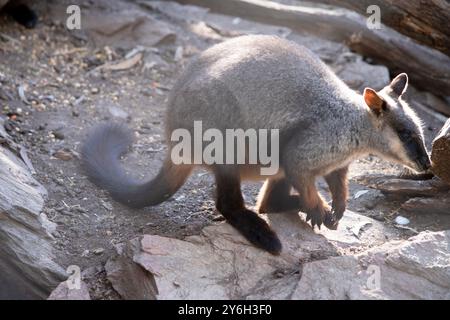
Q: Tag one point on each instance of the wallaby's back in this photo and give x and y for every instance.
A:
(256, 82)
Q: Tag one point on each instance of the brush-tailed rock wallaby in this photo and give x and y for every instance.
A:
(265, 82)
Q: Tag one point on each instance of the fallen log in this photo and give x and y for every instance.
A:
(404, 186)
(439, 205)
(428, 195)
(423, 21)
(440, 153)
(427, 68)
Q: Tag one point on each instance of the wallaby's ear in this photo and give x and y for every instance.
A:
(373, 100)
(399, 84)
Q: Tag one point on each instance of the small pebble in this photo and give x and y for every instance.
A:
(98, 251)
(63, 154)
(58, 135)
(401, 220)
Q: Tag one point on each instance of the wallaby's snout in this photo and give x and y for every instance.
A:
(415, 150)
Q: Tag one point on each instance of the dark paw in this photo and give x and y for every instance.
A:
(318, 216)
(332, 220)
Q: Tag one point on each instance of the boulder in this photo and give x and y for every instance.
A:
(128, 29)
(220, 264)
(63, 292)
(418, 268)
(26, 255)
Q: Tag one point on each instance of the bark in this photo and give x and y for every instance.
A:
(440, 153)
(404, 186)
(440, 205)
(424, 21)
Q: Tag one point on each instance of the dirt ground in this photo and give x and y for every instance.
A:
(64, 99)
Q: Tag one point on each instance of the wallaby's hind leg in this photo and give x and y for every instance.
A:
(275, 197)
(230, 204)
(337, 182)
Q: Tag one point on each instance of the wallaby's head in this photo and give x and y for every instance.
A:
(399, 135)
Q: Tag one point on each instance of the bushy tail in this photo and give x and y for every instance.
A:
(100, 158)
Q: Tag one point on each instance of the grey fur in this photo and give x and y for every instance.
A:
(267, 82)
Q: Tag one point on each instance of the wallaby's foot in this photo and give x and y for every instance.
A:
(230, 204)
(290, 203)
(275, 197)
(255, 230)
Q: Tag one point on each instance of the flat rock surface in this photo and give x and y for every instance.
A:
(221, 264)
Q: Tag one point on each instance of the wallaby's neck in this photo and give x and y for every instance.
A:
(363, 131)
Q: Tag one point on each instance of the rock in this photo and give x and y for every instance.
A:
(128, 278)
(95, 90)
(98, 251)
(418, 268)
(127, 29)
(118, 112)
(176, 10)
(358, 74)
(63, 154)
(26, 254)
(401, 220)
(221, 264)
(334, 278)
(62, 292)
(58, 134)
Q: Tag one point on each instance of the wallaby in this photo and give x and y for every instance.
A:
(268, 82)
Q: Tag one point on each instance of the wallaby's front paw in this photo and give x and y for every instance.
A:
(318, 215)
(332, 220)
